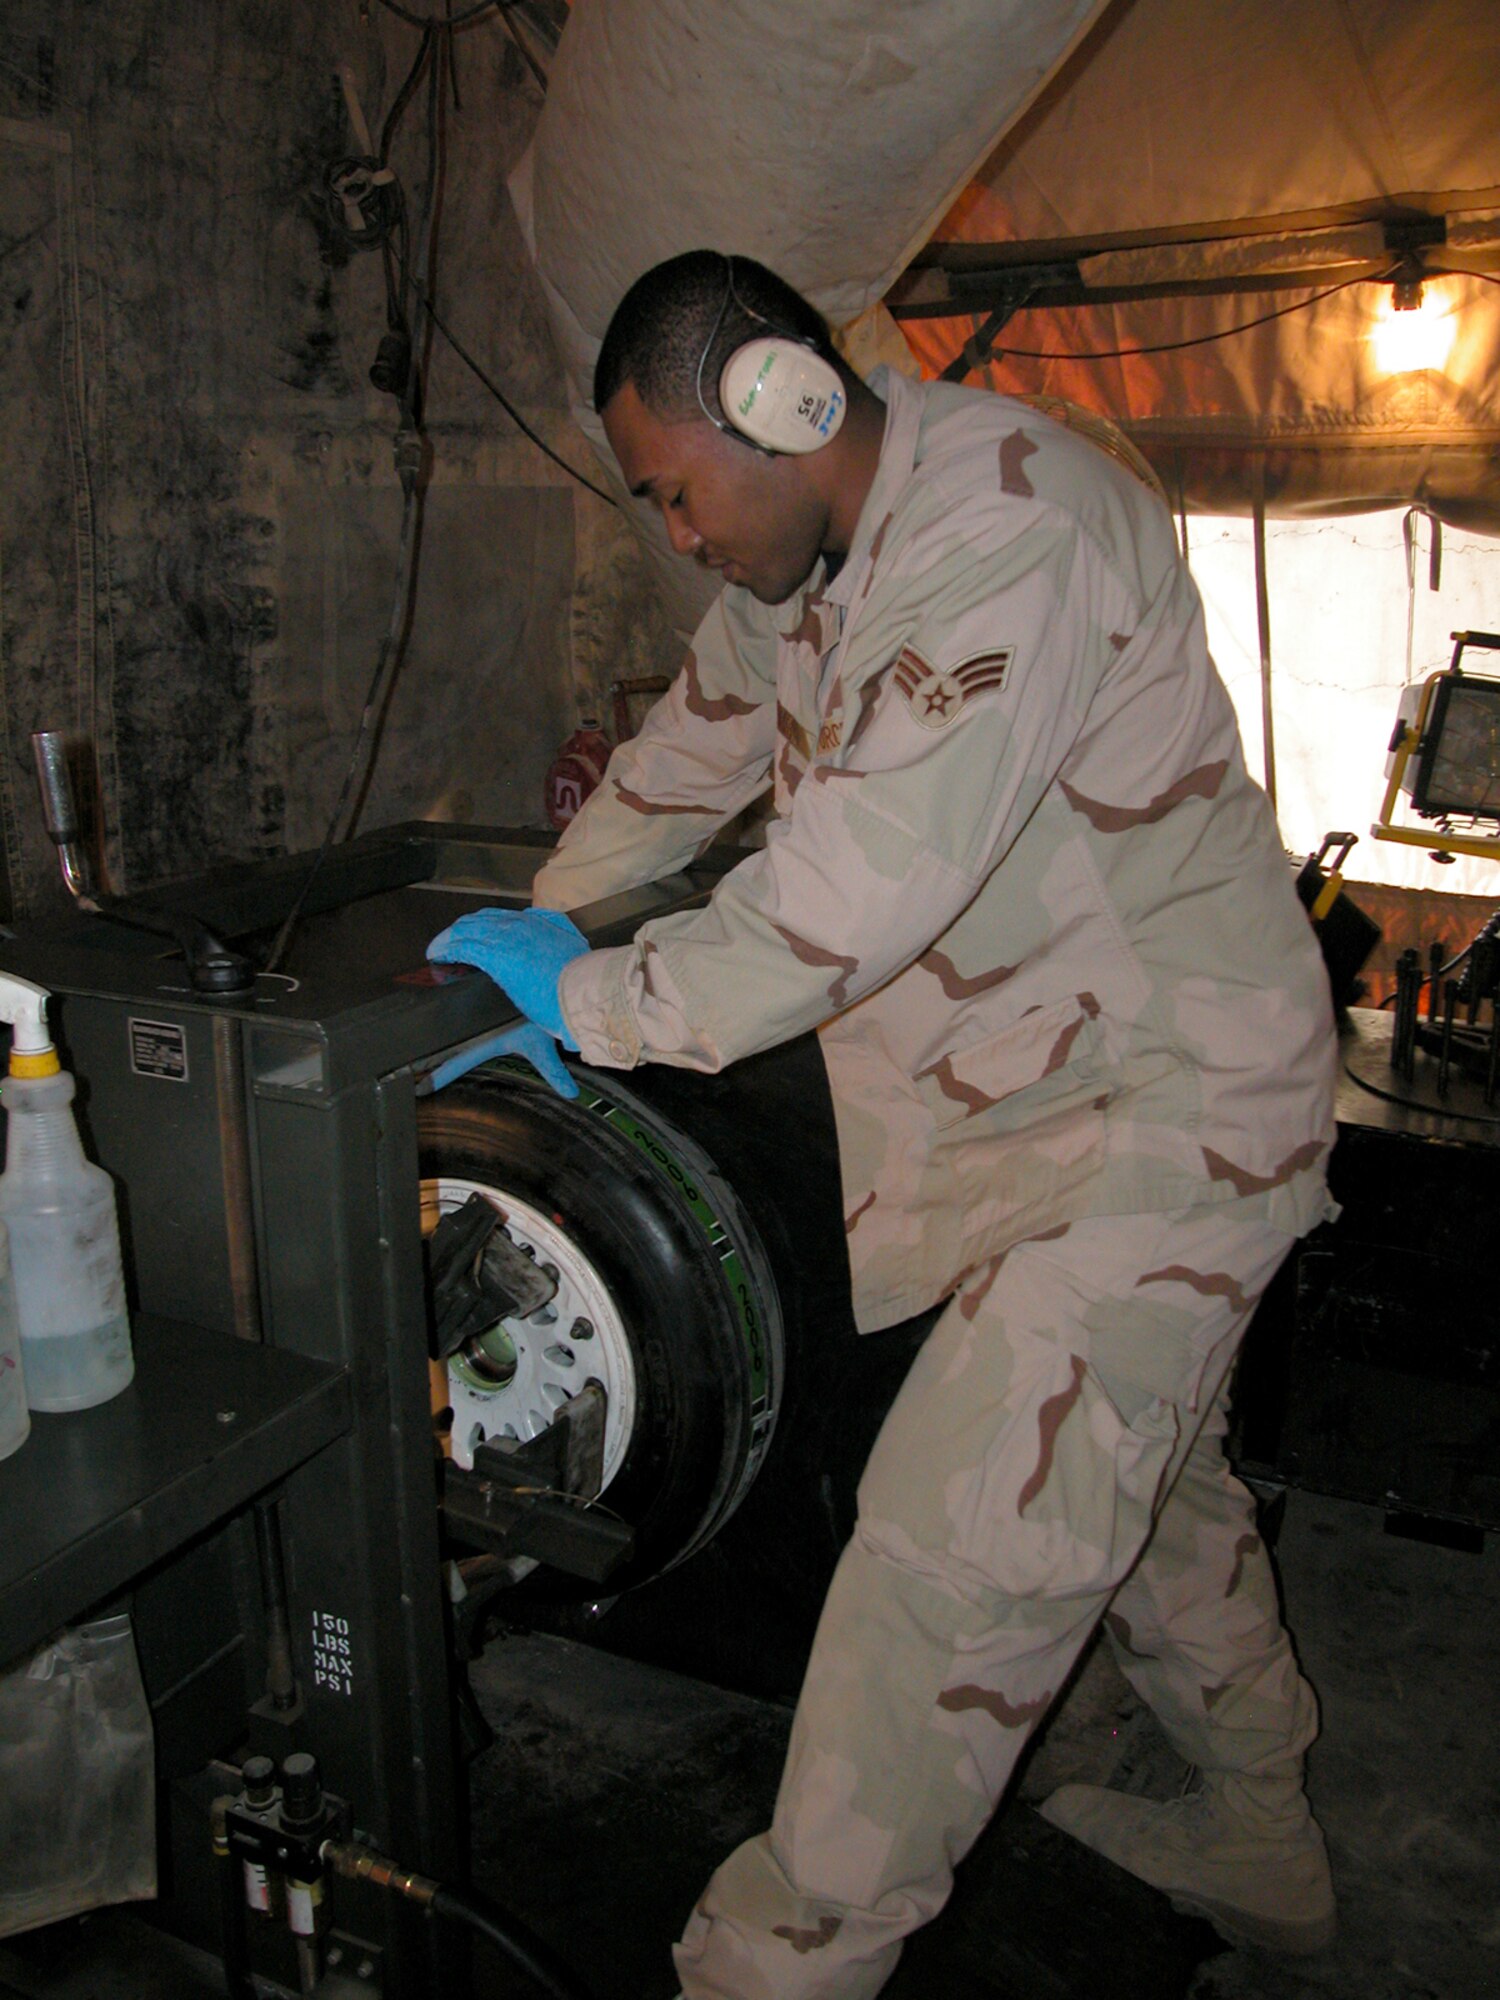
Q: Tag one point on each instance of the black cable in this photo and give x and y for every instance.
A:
(450, 52)
(408, 449)
(520, 1946)
(434, 21)
(391, 221)
(377, 191)
(403, 96)
(447, 23)
(1175, 346)
(400, 375)
(407, 255)
(390, 650)
(1416, 1103)
(405, 250)
(424, 244)
(525, 54)
(503, 400)
(1029, 354)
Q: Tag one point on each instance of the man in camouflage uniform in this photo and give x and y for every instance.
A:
(1081, 1053)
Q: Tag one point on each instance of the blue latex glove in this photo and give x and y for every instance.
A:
(526, 1039)
(523, 951)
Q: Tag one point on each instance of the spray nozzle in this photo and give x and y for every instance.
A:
(24, 1005)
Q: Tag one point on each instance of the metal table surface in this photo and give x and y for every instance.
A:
(1374, 1097)
(96, 1497)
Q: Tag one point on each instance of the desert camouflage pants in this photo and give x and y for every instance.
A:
(1055, 1456)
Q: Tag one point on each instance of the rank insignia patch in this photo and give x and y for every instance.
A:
(935, 699)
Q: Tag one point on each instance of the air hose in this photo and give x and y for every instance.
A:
(464, 1906)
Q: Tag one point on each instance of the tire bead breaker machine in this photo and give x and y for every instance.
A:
(268, 1487)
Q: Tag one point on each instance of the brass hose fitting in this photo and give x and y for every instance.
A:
(363, 1864)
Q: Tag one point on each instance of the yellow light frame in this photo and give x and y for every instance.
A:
(1486, 846)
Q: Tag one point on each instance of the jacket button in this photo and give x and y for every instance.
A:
(619, 1051)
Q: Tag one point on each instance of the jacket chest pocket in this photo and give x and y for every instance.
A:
(1050, 1061)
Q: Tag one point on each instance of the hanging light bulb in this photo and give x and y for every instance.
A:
(1414, 329)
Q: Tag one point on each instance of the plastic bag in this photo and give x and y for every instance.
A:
(77, 1789)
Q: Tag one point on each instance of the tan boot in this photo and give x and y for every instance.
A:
(1257, 1882)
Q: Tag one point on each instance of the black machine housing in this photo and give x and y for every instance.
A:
(265, 1147)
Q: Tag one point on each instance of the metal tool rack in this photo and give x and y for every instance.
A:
(1371, 1370)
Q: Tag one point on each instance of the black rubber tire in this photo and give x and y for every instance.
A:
(684, 1266)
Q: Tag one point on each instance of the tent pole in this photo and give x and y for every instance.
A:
(1263, 621)
(978, 350)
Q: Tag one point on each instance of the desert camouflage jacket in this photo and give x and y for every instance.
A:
(1018, 878)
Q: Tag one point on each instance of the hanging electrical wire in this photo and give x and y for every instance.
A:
(1198, 340)
(397, 369)
(504, 401)
(459, 20)
(448, 22)
(366, 210)
(375, 697)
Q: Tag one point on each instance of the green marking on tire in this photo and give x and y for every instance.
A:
(762, 1410)
(713, 1228)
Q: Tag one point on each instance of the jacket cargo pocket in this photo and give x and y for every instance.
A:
(1046, 1062)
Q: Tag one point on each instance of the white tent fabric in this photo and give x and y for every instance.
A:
(824, 141)
(1175, 117)
(1156, 141)
(1176, 113)
(1351, 625)
(830, 143)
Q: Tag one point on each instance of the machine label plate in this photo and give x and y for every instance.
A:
(159, 1048)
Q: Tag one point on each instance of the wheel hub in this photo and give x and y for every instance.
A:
(512, 1379)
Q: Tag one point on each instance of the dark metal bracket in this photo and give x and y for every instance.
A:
(532, 1499)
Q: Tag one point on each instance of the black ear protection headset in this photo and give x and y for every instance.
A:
(776, 391)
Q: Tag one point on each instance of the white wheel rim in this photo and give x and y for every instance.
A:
(553, 1361)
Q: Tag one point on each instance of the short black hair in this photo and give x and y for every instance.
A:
(682, 320)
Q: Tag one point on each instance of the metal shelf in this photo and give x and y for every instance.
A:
(95, 1498)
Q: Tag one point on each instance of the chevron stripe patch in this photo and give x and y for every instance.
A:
(935, 699)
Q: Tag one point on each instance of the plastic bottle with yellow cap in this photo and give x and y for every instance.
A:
(59, 1211)
(15, 1417)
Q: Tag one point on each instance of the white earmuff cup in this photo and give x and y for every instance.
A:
(781, 395)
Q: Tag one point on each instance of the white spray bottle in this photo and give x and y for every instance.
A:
(15, 1417)
(59, 1211)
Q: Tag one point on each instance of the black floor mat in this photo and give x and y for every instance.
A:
(613, 1788)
